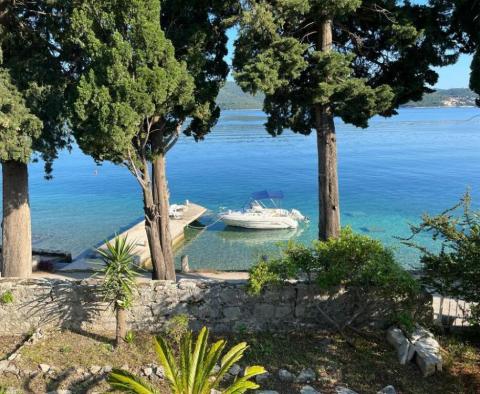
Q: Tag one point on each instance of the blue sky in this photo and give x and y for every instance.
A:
(454, 76)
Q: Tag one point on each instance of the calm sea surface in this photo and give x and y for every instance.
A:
(392, 172)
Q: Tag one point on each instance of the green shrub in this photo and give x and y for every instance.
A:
(6, 297)
(359, 264)
(176, 327)
(453, 267)
(194, 369)
(129, 337)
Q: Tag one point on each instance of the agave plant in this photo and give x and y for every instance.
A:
(194, 371)
(118, 280)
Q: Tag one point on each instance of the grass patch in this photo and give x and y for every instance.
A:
(367, 369)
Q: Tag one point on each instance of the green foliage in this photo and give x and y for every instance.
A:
(118, 273)
(197, 30)
(36, 79)
(359, 264)
(131, 78)
(194, 370)
(18, 127)
(381, 58)
(453, 269)
(6, 297)
(129, 337)
(461, 21)
(176, 327)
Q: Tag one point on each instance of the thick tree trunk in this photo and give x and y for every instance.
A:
(121, 325)
(153, 235)
(16, 226)
(161, 200)
(328, 199)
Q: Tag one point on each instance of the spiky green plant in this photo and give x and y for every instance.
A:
(193, 372)
(118, 280)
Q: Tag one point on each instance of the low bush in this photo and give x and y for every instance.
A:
(6, 297)
(362, 266)
(453, 267)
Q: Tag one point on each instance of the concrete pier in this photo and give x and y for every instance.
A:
(88, 261)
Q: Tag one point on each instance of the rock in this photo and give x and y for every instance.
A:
(12, 368)
(285, 376)
(387, 390)
(427, 351)
(95, 369)
(13, 356)
(402, 345)
(147, 371)
(266, 392)
(3, 365)
(308, 390)
(306, 376)
(213, 391)
(427, 357)
(45, 367)
(235, 370)
(344, 390)
(260, 379)
(160, 372)
(107, 368)
(216, 368)
(64, 392)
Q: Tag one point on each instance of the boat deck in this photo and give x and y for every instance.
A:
(89, 261)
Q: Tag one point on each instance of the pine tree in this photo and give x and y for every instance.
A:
(32, 86)
(317, 60)
(149, 72)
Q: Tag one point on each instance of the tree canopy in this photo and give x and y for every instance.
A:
(131, 81)
(18, 126)
(35, 70)
(381, 57)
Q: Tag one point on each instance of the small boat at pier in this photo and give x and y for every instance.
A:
(259, 215)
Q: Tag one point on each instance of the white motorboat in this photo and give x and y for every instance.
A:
(259, 216)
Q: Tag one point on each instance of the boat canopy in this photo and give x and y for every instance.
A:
(266, 195)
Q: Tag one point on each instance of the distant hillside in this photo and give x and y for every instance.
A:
(446, 98)
(232, 97)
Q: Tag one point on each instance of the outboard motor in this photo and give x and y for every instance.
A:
(296, 214)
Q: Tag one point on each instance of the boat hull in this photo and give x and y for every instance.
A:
(260, 223)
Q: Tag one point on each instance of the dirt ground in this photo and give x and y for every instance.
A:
(80, 362)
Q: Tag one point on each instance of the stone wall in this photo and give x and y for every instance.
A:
(222, 306)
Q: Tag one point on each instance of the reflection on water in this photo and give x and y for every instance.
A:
(257, 237)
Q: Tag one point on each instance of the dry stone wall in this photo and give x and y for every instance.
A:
(222, 306)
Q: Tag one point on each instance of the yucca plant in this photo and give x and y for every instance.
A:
(194, 370)
(118, 280)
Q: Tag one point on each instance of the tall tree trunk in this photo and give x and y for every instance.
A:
(161, 199)
(153, 234)
(17, 231)
(328, 199)
(121, 325)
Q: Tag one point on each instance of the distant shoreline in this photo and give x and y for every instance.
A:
(232, 97)
(402, 106)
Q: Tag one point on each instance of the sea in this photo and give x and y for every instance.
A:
(421, 161)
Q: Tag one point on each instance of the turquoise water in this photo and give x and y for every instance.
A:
(421, 160)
